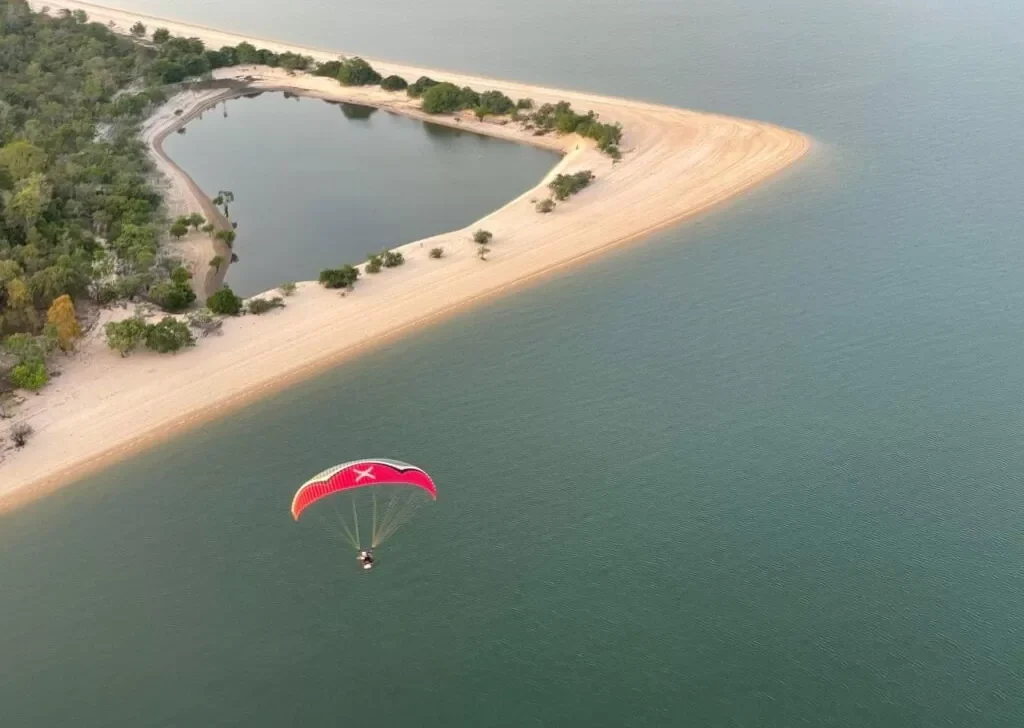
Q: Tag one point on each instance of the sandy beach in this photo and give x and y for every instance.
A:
(675, 164)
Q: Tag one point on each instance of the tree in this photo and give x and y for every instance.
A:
(374, 264)
(357, 72)
(208, 228)
(195, 220)
(524, 104)
(437, 253)
(124, 336)
(178, 230)
(226, 236)
(161, 36)
(61, 317)
(138, 30)
(482, 251)
(482, 237)
(172, 296)
(344, 277)
(225, 302)
(394, 83)
(224, 197)
(419, 87)
(287, 288)
(168, 335)
(181, 276)
(442, 98)
(216, 262)
(20, 433)
(22, 159)
(546, 205)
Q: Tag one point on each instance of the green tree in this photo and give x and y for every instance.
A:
(180, 276)
(124, 336)
(374, 264)
(195, 220)
(30, 375)
(178, 230)
(394, 83)
(357, 72)
(138, 30)
(442, 98)
(419, 86)
(392, 258)
(172, 296)
(168, 335)
(161, 36)
(22, 159)
(208, 228)
(226, 236)
(482, 237)
(216, 262)
(225, 302)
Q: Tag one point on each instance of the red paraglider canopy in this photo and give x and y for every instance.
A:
(360, 474)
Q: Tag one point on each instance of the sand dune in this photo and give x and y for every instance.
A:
(676, 163)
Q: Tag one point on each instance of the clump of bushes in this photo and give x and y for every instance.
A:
(176, 294)
(524, 104)
(374, 264)
(545, 205)
(344, 277)
(167, 335)
(420, 86)
(225, 302)
(392, 258)
(437, 253)
(394, 83)
(357, 72)
(561, 118)
(565, 185)
(30, 354)
(262, 305)
(441, 98)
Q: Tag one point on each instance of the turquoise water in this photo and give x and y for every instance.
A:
(344, 172)
(763, 470)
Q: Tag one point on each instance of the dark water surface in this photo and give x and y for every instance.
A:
(317, 185)
(764, 470)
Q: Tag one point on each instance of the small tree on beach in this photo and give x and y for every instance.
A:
(482, 237)
(63, 323)
(169, 335)
(195, 220)
(226, 236)
(357, 72)
(224, 302)
(124, 336)
(161, 36)
(138, 30)
(482, 252)
(393, 258)
(216, 262)
(178, 230)
(437, 253)
(208, 228)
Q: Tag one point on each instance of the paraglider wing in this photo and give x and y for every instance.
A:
(360, 474)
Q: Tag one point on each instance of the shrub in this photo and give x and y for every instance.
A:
(168, 335)
(374, 264)
(179, 229)
(123, 336)
(394, 83)
(138, 30)
(495, 103)
(437, 253)
(161, 35)
(172, 297)
(181, 276)
(524, 104)
(442, 98)
(30, 375)
(546, 205)
(393, 259)
(343, 277)
(216, 262)
(287, 288)
(20, 433)
(204, 321)
(262, 305)
(328, 68)
(420, 86)
(196, 220)
(565, 185)
(482, 237)
(224, 302)
(357, 72)
(208, 228)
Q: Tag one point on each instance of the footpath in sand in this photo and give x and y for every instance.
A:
(675, 163)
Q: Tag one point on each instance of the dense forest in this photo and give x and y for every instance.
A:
(80, 221)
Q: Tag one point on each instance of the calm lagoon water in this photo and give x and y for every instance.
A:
(764, 470)
(317, 185)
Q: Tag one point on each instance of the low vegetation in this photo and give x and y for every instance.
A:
(546, 205)
(416, 89)
(437, 253)
(20, 433)
(565, 186)
(225, 302)
(374, 264)
(357, 72)
(166, 336)
(482, 252)
(394, 83)
(287, 288)
(392, 258)
(344, 277)
(482, 237)
(262, 305)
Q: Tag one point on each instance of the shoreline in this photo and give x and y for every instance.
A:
(676, 164)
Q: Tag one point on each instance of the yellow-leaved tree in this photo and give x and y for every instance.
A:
(61, 317)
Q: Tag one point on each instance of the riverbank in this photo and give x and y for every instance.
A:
(675, 164)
